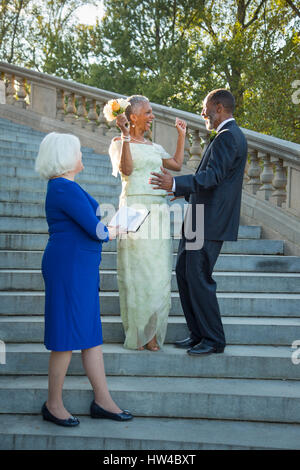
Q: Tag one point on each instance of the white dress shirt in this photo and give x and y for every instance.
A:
(218, 130)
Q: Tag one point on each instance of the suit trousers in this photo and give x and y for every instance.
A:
(197, 290)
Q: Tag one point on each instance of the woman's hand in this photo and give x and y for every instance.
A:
(123, 124)
(115, 231)
(181, 127)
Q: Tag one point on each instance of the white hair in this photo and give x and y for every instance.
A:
(58, 154)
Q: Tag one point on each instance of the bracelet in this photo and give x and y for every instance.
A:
(125, 138)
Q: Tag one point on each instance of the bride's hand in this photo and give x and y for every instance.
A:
(180, 126)
(123, 124)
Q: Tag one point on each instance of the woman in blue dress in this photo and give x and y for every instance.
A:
(70, 268)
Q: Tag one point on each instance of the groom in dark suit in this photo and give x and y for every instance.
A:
(216, 185)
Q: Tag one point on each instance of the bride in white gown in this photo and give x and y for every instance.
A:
(144, 257)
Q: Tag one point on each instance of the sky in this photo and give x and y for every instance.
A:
(87, 14)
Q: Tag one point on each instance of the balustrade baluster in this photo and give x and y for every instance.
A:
(81, 111)
(21, 94)
(92, 115)
(279, 183)
(11, 90)
(254, 170)
(71, 108)
(266, 177)
(60, 105)
(195, 150)
(102, 127)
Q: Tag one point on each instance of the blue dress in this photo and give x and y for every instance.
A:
(70, 267)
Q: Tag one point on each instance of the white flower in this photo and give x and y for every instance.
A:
(114, 107)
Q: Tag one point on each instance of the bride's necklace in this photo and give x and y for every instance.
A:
(140, 141)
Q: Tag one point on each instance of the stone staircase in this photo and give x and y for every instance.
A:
(246, 398)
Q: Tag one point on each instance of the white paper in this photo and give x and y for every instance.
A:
(129, 219)
(2, 92)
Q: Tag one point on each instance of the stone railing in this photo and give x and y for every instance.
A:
(273, 170)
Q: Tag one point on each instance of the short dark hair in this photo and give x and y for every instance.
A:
(224, 97)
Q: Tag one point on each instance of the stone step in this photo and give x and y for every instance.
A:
(21, 138)
(19, 219)
(231, 304)
(25, 137)
(165, 397)
(26, 171)
(21, 133)
(109, 205)
(238, 330)
(31, 144)
(25, 241)
(6, 125)
(31, 279)
(91, 162)
(37, 184)
(24, 155)
(12, 259)
(237, 361)
(19, 222)
(37, 210)
(30, 432)
(38, 197)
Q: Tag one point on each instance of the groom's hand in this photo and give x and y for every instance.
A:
(171, 194)
(163, 180)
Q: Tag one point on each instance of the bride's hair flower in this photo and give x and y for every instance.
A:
(115, 107)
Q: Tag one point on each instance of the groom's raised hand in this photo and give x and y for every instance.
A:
(163, 180)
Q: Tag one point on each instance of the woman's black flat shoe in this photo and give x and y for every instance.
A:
(72, 421)
(98, 412)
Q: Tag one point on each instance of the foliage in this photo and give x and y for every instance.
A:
(173, 51)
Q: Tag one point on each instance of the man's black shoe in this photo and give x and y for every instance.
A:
(186, 343)
(203, 349)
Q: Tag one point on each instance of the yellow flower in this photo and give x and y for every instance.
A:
(115, 106)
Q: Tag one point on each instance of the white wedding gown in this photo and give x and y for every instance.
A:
(144, 257)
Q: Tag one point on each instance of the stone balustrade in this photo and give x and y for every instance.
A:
(272, 173)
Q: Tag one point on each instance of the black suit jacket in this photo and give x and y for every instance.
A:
(217, 183)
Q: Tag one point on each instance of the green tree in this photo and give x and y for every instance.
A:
(44, 35)
(173, 51)
(12, 28)
(139, 48)
(176, 51)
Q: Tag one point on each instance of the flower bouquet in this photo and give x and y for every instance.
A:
(115, 107)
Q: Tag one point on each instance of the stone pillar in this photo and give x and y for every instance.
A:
(253, 183)
(10, 90)
(279, 183)
(60, 105)
(21, 94)
(71, 108)
(266, 178)
(195, 150)
(43, 99)
(102, 127)
(92, 115)
(81, 111)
